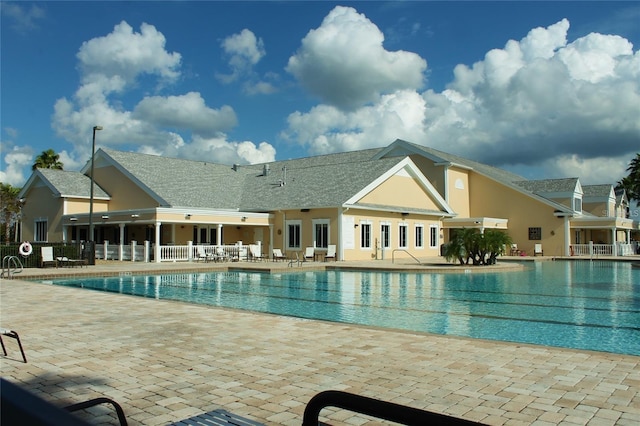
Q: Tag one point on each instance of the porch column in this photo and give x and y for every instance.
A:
(121, 246)
(271, 246)
(156, 251)
(219, 234)
(65, 229)
(567, 237)
(614, 235)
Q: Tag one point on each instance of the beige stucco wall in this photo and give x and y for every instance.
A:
(124, 194)
(402, 191)
(42, 205)
(458, 198)
(394, 220)
(488, 198)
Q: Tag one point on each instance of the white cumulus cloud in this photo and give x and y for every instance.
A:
(344, 63)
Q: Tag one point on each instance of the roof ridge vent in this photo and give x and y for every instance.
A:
(265, 170)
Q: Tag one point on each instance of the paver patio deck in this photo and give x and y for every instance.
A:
(165, 361)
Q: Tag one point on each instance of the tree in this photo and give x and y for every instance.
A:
(469, 244)
(47, 160)
(631, 182)
(10, 207)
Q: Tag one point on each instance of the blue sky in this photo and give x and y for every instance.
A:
(543, 89)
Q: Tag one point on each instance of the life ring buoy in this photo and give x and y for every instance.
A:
(25, 249)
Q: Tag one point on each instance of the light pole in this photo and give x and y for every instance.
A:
(92, 253)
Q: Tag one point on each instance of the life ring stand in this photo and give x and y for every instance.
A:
(25, 249)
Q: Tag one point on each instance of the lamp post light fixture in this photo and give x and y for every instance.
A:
(92, 256)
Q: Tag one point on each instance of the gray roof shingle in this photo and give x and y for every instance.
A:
(72, 184)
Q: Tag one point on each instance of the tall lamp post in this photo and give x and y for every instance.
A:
(91, 250)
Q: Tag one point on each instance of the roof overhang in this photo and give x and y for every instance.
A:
(476, 222)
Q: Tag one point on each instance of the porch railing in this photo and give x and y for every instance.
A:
(169, 253)
(621, 249)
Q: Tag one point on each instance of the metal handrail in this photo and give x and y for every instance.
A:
(7, 270)
(394, 252)
(374, 407)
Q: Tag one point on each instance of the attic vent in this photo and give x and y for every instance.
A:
(235, 167)
(265, 170)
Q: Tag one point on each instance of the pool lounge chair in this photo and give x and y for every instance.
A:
(203, 255)
(65, 261)
(277, 255)
(331, 252)
(13, 335)
(254, 253)
(47, 257)
(309, 254)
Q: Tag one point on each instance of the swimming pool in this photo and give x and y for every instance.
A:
(582, 305)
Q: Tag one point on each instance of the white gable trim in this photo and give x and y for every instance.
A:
(406, 167)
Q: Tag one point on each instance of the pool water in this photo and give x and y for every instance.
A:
(582, 305)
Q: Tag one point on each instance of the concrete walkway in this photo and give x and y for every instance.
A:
(165, 361)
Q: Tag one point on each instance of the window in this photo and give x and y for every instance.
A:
(419, 236)
(433, 236)
(402, 235)
(535, 233)
(365, 235)
(293, 234)
(321, 233)
(385, 235)
(577, 204)
(41, 230)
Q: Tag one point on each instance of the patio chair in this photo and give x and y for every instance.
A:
(277, 255)
(220, 255)
(309, 254)
(514, 250)
(47, 257)
(331, 252)
(253, 251)
(203, 255)
(537, 250)
(13, 335)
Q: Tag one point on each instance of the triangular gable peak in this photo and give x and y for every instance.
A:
(400, 148)
(62, 184)
(409, 189)
(103, 159)
(598, 193)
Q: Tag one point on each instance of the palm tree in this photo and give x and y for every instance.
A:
(10, 206)
(631, 183)
(47, 160)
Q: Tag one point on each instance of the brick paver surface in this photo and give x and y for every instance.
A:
(165, 361)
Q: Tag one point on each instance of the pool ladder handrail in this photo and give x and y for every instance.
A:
(11, 265)
(393, 253)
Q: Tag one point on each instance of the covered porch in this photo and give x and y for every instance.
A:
(604, 236)
(165, 234)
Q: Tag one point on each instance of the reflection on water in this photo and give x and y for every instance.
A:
(588, 305)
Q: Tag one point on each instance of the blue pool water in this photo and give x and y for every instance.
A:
(583, 305)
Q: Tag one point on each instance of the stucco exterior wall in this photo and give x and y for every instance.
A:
(488, 198)
(124, 194)
(42, 205)
(401, 191)
(458, 191)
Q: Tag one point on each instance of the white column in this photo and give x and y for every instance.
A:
(271, 246)
(614, 236)
(156, 255)
(121, 246)
(219, 234)
(567, 237)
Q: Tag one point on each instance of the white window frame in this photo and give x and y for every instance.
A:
(434, 236)
(287, 239)
(315, 224)
(403, 234)
(366, 224)
(37, 231)
(419, 236)
(382, 241)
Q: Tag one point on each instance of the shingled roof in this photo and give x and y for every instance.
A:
(312, 182)
(69, 184)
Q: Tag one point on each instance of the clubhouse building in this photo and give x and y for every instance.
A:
(401, 200)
